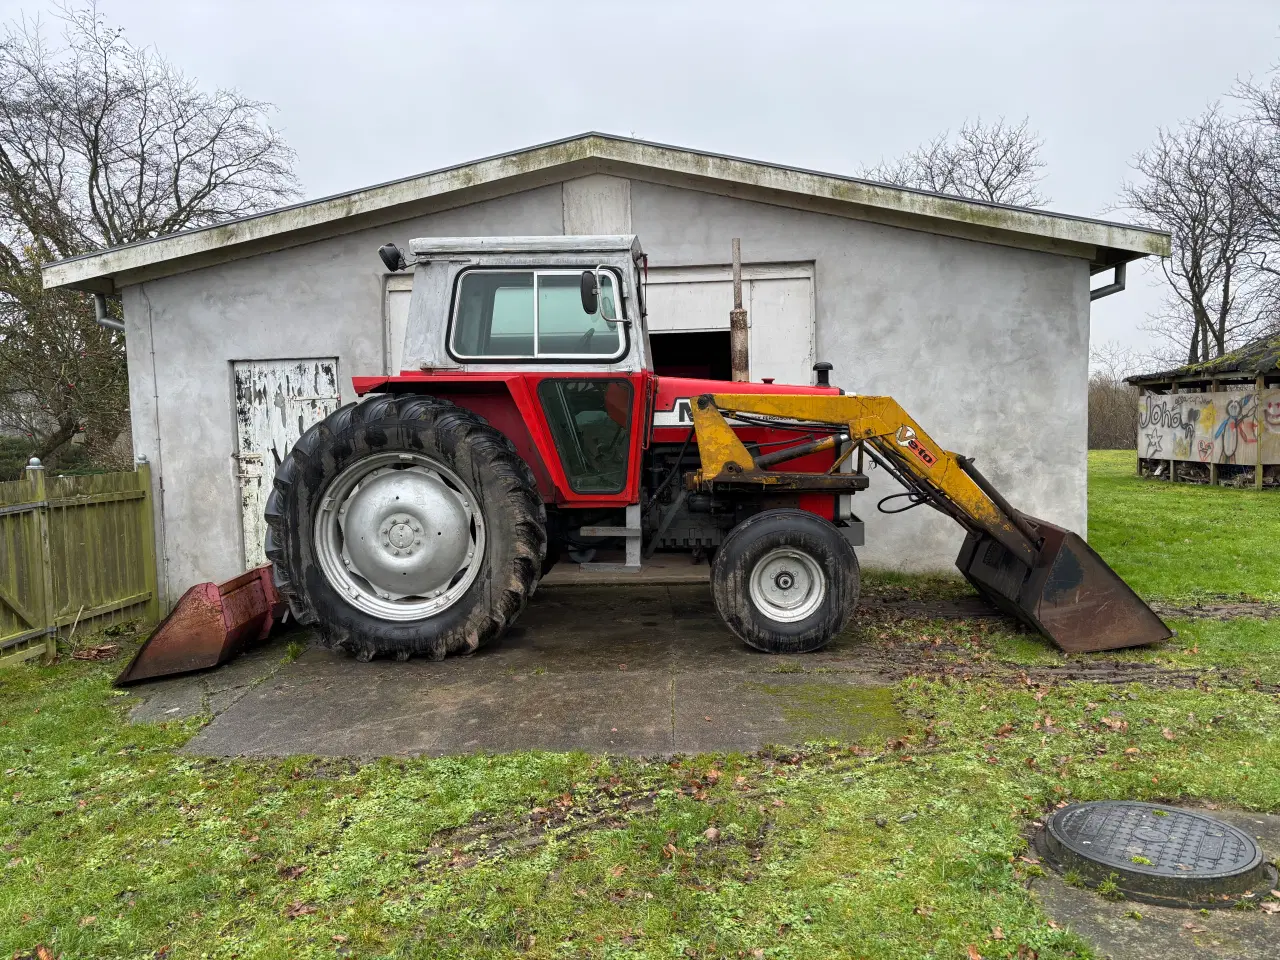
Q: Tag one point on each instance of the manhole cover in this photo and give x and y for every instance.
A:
(1156, 854)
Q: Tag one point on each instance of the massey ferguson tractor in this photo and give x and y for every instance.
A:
(528, 422)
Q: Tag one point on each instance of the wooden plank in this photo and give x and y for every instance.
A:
(111, 606)
(84, 500)
(23, 655)
(1259, 469)
(42, 559)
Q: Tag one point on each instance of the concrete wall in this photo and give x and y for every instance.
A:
(986, 346)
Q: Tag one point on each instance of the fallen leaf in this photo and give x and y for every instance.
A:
(1193, 928)
(618, 871)
(973, 952)
(1168, 734)
(338, 938)
(104, 651)
(291, 873)
(997, 933)
(779, 803)
(299, 909)
(88, 921)
(43, 953)
(708, 719)
(1131, 751)
(711, 833)
(923, 911)
(1005, 730)
(1269, 906)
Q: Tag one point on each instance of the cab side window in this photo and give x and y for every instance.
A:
(527, 314)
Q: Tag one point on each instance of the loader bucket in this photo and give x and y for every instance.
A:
(210, 625)
(1070, 595)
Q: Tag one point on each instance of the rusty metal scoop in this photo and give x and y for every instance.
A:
(210, 624)
(1070, 594)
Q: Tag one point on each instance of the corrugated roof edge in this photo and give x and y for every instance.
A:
(1131, 242)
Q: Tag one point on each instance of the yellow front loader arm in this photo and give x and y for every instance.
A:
(1041, 573)
(884, 425)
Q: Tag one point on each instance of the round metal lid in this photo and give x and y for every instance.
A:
(1156, 853)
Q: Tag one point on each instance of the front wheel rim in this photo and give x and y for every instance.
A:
(400, 536)
(787, 585)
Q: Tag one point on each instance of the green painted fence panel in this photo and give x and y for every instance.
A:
(76, 554)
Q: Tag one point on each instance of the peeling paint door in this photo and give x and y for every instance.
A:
(275, 402)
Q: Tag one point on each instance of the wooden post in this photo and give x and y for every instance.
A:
(1173, 464)
(40, 494)
(1260, 385)
(1213, 463)
(148, 528)
(1142, 394)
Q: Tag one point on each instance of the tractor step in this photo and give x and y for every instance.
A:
(634, 537)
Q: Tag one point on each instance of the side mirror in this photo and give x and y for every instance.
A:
(392, 257)
(590, 291)
(597, 295)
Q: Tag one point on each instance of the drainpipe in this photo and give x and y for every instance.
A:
(1115, 286)
(100, 312)
(738, 321)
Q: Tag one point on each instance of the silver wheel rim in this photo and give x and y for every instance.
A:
(400, 536)
(787, 585)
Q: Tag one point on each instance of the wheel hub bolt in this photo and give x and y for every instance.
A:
(785, 580)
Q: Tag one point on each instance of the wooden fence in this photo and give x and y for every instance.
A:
(76, 553)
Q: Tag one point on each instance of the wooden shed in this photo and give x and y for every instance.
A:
(1216, 421)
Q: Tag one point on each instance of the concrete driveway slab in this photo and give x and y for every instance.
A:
(606, 669)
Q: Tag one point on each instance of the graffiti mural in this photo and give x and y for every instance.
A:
(1211, 427)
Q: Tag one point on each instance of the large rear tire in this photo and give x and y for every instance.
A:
(405, 526)
(785, 581)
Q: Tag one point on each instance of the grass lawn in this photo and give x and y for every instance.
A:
(116, 844)
(1181, 541)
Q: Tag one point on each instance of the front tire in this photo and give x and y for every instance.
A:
(405, 526)
(785, 581)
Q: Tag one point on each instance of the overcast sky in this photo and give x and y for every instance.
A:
(371, 91)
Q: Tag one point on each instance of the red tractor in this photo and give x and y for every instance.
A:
(528, 422)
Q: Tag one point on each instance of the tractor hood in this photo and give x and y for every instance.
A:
(675, 394)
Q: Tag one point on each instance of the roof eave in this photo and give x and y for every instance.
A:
(1100, 242)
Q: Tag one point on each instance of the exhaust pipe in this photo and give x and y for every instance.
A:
(738, 360)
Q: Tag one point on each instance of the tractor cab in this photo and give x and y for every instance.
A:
(567, 304)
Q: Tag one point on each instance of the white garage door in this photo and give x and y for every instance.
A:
(276, 401)
(779, 301)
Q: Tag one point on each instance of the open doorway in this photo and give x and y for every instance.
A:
(704, 355)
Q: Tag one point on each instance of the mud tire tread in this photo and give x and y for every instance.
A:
(515, 524)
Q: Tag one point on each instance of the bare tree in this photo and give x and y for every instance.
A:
(1259, 173)
(1113, 403)
(103, 143)
(999, 162)
(1194, 186)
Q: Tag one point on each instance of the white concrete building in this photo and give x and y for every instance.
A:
(975, 316)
